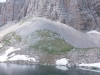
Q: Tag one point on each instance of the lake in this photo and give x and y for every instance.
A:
(14, 69)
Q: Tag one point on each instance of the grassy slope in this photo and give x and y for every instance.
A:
(50, 42)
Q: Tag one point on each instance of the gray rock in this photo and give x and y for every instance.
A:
(83, 15)
(77, 13)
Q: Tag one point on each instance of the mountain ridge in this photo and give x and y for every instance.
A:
(76, 38)
(47, 40)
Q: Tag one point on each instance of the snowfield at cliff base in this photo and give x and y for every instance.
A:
(94, 32)
(13, 57)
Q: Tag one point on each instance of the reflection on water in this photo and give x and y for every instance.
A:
(13, 69)
(64, 68)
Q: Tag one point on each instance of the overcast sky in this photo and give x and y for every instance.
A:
(2, 0)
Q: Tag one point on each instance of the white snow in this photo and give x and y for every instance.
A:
(94, 31)
(1, 45)
(4, 57)
(14, 57)
(64, 68)
(97, 65)
(2, 0)
(11, 49)
(22, 57)
(62, 61)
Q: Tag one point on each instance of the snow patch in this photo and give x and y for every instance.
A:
(1, 45)
(94, 31)
(22, 57)
(2, 0)
(62, 61)
(14, 57)
(10, 50)
(4, 57)
(96, 65)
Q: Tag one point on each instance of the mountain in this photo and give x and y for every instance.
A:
(83, 15)
(47, 40)
(30, 25)
(43, 31)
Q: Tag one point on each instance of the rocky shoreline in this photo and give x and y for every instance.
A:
(74, 57)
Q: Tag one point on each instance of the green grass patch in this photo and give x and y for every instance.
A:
(51, 42)
(11, 38)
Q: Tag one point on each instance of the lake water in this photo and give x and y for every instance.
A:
(14, 69)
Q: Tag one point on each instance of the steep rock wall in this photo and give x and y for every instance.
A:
(83, 15)
(12, 11)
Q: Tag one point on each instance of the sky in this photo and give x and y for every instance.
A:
(2, 0)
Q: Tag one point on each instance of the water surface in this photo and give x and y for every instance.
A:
(14, 69)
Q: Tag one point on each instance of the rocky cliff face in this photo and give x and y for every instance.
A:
(83, 15)
(11, 11)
